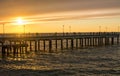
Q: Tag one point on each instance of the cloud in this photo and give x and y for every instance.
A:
(75, 14)
(69, 15)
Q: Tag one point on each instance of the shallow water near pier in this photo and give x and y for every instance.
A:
(92, 61)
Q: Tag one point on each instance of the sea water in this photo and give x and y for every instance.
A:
(91, 61)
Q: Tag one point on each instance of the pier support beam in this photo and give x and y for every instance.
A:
(90, 41)
(72, 44)
(30, 45)
(66, 43)
(81, 42)
(20, 47)
(56, 44)
(35, 45)
(44, 45)
(76, 43)
(112, 40)
(26, 46)
(50, 46)
(39, 45)
(61, 44)
(117, 39)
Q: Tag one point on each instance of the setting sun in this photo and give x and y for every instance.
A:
(20, 21)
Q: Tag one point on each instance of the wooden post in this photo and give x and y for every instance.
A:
(50, 46)
(85, 42)
(108, 41)
(105, 41)
(35, 45)
(7, 50)
(72, 44)
(66, 43)
(10, 46)
(93, 41)
(61, 44)
(117, 39)
(81, 42)
(14, 48)
(90, 41)
(38, 44)
(101, 41)
(26, 46)
(56, 43)
(76, 43)
(30, 45)
(20, 47)
(98, 41)
(3, 50)
(44, 45)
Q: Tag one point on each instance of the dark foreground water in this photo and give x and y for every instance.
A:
(97, 61)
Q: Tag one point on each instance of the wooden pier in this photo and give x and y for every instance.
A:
(55, 41)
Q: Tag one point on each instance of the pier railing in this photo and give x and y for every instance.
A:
(58, 34)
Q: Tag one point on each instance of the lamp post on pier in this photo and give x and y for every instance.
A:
(63, 30)
(118, 28)
(99, 28)
(70, 29)
(106, 29)
(3, 29)
(24, 28)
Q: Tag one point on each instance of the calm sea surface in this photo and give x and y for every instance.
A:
(93, 61)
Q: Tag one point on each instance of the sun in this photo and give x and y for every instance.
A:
(19, 21)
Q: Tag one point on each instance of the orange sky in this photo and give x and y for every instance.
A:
(51, 15)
